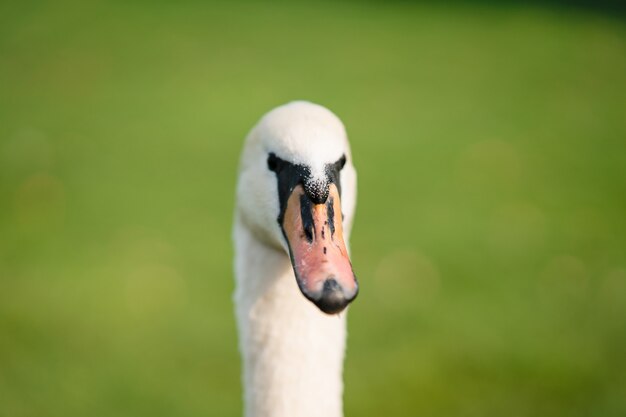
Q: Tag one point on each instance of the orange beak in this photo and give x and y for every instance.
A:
(314, 233)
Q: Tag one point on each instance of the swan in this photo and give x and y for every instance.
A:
(296, 196)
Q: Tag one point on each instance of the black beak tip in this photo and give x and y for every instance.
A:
(333, 299)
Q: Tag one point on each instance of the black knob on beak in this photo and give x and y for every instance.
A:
(316, 190)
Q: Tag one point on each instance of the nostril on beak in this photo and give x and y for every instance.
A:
(333, 299)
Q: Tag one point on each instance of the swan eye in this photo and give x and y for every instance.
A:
(272, 162)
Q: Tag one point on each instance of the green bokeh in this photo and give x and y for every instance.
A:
(490, 238)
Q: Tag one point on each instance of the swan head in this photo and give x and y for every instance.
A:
(297, 193)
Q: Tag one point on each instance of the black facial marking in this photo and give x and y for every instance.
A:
(330, 210)
(332, 172)
(290, 175)
(306, 213)
(324, 250)
(272, 162)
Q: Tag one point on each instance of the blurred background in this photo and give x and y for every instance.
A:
(490, 237)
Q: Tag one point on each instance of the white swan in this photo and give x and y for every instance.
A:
(296, 180)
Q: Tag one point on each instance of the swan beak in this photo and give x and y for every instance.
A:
(318, 252)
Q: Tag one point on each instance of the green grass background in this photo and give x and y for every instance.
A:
(490, 238)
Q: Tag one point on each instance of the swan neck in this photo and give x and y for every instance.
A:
(292, 353)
